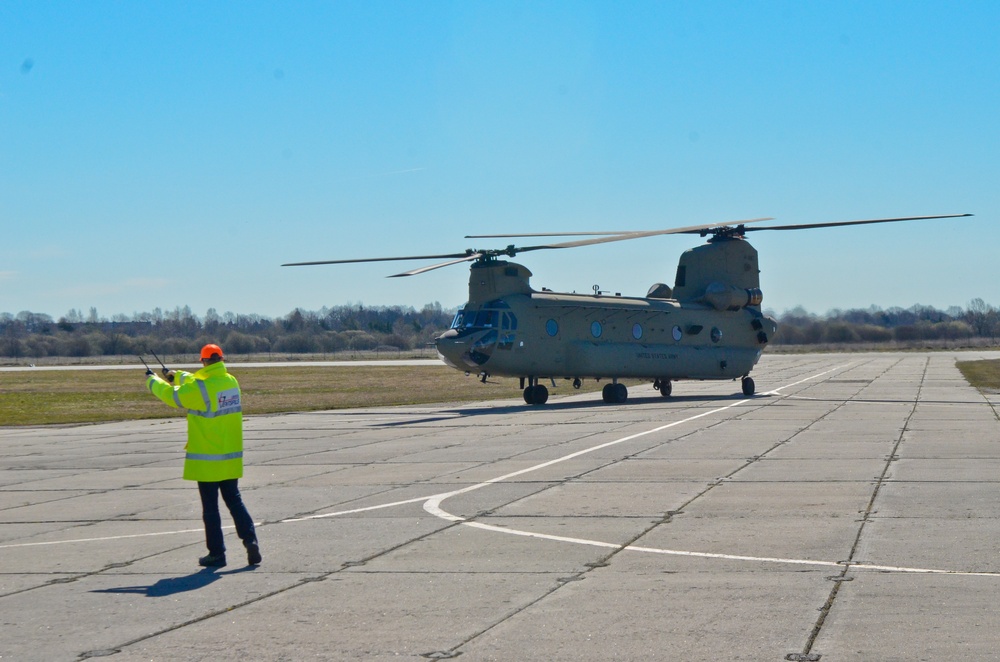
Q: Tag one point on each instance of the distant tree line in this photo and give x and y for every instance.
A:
(328, 330)
(895, 325)
(356, 328)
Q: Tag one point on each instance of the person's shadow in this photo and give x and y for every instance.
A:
(173, 585)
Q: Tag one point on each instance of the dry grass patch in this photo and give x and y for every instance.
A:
(983, 375)
(88, 396)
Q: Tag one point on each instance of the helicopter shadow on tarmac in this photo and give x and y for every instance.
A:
(557, 405)
(173, 585)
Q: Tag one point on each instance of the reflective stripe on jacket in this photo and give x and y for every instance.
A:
(212, 399)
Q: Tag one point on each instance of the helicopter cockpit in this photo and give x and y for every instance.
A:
(493, 315)
(479, 330)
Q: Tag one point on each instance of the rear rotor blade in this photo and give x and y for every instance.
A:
(808, 226)
(619, 235)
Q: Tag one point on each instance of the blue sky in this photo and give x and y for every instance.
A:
(163, 154)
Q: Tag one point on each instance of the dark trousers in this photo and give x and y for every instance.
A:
(213, 521)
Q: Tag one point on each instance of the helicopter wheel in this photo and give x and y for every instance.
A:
(748, 386)
(614, 393)
(536, 395)
(665, 388)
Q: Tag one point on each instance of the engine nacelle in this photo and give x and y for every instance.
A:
(728, 297)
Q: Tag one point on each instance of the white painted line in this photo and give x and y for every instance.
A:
(133, 535)
(728, 557)
(542, 536)
(433, 505)
(734, 557)
(355, 510)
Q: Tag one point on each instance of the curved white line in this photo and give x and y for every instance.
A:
(729, 557)
(433, 506)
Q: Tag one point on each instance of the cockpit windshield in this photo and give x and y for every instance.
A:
(494, 315)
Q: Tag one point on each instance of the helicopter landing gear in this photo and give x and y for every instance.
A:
(663, 386)
(535, 393)
(614, 393)
(748, 386)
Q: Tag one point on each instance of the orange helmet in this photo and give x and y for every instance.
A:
(211, 351)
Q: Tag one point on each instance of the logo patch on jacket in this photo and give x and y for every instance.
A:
(229, 401)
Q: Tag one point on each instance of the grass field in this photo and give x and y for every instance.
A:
(984, 375)
(89, 396)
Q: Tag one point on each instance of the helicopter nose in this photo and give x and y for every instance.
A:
(466, 351)
(445, 344)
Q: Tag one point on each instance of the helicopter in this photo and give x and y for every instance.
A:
(707, 326)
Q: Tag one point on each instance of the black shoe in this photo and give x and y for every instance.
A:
(253, 554)
(210, 561)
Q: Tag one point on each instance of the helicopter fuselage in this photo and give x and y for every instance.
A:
(544, 334)
(716, 332)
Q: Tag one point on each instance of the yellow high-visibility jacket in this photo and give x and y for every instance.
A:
(212, 399)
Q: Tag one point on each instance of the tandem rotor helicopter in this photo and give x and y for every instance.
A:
(709, 325)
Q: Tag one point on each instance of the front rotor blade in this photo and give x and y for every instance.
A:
(464, 256)
(546, 234)
(414, 272)
(808, 226)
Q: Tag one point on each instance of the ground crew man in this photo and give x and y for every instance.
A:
(214, 448)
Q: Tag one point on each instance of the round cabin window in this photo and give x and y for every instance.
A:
(552, 327)
(595, 329)
(637, 331)
(677, 333)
